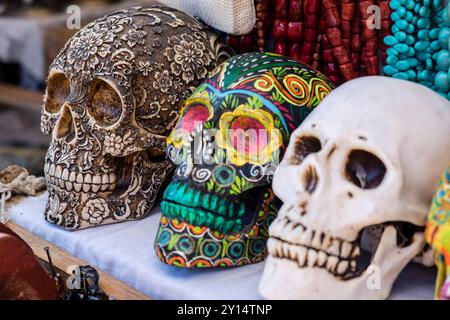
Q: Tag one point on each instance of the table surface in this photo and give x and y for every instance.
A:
(126, 252)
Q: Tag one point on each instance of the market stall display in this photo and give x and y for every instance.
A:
(218, 207)
(113, 94)
(359, 160)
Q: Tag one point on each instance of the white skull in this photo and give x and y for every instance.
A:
(369, 156)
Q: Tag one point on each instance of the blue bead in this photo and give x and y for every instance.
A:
(402, 65)
(434, 33)
(410, 4)
(427, 3)
(429, 84)
(424, 12)
(443, 37)
(424, 75)
(401, 75)
(391, 52)
(422, 34)
(409, 16)
(394, 28)
(443, 60)
(394, 4)
(410, 40)
(401, 48)
(391, 59)
(395, 17)
(423, 23)
(389, 70)
(441, 81)
(436, 4)
(410, 28)
(411, 52)
(435, 45)
(400, 36)
(413, 62)
(429, 64)
(412, 75)
(421, 45)
(401, 12)
(390, 40)
(401, 24)
(422, 56)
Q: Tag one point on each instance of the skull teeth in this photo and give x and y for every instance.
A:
(312, 248)
(71, 181)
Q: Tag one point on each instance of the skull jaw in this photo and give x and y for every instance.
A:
(73, 210)
(183, 242)
(283, 279)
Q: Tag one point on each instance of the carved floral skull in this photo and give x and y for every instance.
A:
(113, 95)
(230, 135)
(370, 154)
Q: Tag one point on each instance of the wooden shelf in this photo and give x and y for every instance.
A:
(62, 260)
(16, 97)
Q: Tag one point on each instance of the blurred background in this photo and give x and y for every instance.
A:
(32, 32)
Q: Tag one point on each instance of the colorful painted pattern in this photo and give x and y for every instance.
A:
(438, 234)
(216, 212)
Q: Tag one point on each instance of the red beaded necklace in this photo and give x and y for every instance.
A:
(333, 36)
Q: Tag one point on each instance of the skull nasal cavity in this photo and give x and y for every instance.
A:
(65, 127)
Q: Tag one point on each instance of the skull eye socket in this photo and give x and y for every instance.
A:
(58, 89)
(364, 169)
(304, 146)
(104, 103)
(194, 115)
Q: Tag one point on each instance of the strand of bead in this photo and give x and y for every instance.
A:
(316, 56)
(369, 50)
(334, 34)
(414, 47)
(330, 69)
(348, 8)
(263, 18)
(385, 15)
(355, 48)
(311, 12)
(280, 26)
(295, 28)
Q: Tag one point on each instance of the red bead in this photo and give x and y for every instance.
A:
(295, 10)
(305, 58)
(312, 7)
(310, 35)
(280, 29)
(280, 48)
(327, 55)
(372, 66)
(327, 4)
(307, 48)
(233, 41)
(332, 17)
(335, 79)
(348, 11)
(294, 51)
(281, 9)
(311, 20)
(385, 10)
(331, 69)
(346, 28)
(340, 54)
(334, 36)
(347, 71)
(295, 30)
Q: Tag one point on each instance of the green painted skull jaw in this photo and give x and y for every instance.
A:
(226, 145)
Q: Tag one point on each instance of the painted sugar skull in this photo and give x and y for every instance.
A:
(365, 157)
(437, 234)
(230, 136)
(113, 95)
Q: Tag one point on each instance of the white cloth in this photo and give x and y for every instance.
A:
(125, 251)
(231, 16)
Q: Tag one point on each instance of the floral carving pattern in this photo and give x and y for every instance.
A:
(95, 211)
(189, 57)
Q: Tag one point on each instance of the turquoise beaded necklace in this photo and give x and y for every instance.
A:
(419, 45)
